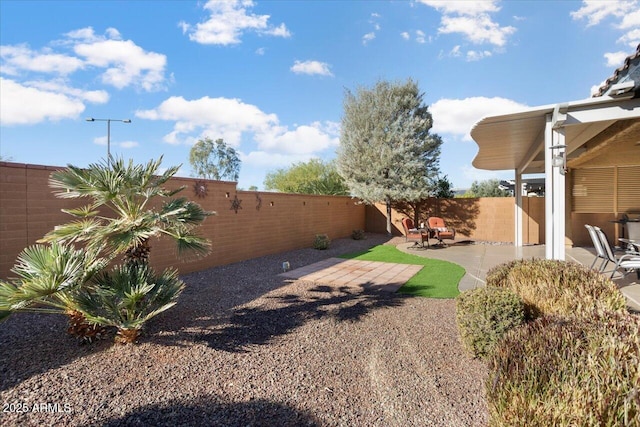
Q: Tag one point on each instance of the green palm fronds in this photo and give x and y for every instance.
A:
(126, 190)
(47, 276)
(128, 296)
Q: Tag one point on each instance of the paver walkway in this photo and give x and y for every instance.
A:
(387, 276)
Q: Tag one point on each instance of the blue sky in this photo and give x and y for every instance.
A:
(269, 76)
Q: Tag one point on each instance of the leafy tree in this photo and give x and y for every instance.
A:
(486, 188)
(120, 219)
(214, 160)
(386, 152)
(443, 188)
(253, 188)
(312, 177)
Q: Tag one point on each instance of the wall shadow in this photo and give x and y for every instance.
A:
(460, 214)
(215, 411)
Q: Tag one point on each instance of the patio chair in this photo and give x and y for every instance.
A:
(628, 261)
(600, 254)
(416, 235)
(438, 230)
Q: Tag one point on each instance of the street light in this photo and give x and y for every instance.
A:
(91, 119)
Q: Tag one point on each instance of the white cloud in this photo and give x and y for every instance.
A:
(368, 37)
(476, 55)
(455, 51)
(23, 105)
(631, 38)
(596, 11)
(121, 62)
(126, 63)
(232, 120)
(456, 117)
(272, 161)
(472, 20)
(305, 139)
(478, 29)
(18, 58)
(420, 37)
(260, 51)
(463, 7)
(405, 35)
(311, 68)
(615, 59)
(625, 16)
(127, 144)
(228, 21)
(225, 118)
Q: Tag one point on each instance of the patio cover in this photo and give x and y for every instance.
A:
(524, 141)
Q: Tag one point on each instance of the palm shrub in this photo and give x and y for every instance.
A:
(558, 371)
(128, 193)
(551, 287)
(127, 297)
(484, 315)
(128, 206)
(48, 279)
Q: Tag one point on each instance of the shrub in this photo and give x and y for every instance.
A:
(358, 235)
(566, 372)
(562, 288)
(484, 315)
(321, 241)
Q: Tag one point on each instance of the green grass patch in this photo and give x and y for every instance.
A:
(437, 279)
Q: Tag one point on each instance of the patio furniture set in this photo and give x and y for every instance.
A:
(627, 262)
(435, 228)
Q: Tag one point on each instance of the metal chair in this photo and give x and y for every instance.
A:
(628, 261)
(600, 254)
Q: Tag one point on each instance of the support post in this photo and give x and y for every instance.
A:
(518, 238)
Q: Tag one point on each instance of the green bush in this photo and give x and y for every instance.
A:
(358, 235)
(484, 315)
(321, 241)
(556, 371)
(562, 288)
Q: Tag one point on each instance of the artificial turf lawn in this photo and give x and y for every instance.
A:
(437, 279)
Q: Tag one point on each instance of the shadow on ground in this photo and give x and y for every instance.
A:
(247, 326)
(214, 411)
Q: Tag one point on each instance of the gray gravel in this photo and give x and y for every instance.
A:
(244, 347)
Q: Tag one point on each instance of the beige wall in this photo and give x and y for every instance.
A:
(265, 223)
(488, 219)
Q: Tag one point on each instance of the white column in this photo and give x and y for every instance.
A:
(548, 189)
(517, 241)
(554, 194)
(558, 202)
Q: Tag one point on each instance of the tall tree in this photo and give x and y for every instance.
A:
(214, 160)
(386, 152)
(443, 188)
(312, 177)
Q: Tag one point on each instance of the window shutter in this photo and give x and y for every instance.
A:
(593, 190)
(629, 189)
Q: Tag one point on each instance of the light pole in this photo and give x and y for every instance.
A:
(91, 119)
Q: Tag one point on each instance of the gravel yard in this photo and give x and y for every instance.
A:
(245, 347)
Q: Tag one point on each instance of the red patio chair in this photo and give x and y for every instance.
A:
(438, 230)
(416, 235)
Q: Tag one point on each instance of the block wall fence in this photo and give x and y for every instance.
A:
(264, 223)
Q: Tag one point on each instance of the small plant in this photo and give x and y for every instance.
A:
(561, 288)
(321, 242)
(566, 372)
(484, 315)
(127, 297)
(358, 235)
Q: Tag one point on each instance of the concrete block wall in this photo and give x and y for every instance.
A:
(488, 219)
(265, 223)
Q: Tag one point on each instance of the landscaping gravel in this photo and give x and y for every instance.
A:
(245, 347)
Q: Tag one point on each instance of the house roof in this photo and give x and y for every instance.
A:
(516, 140)
(629, 71)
